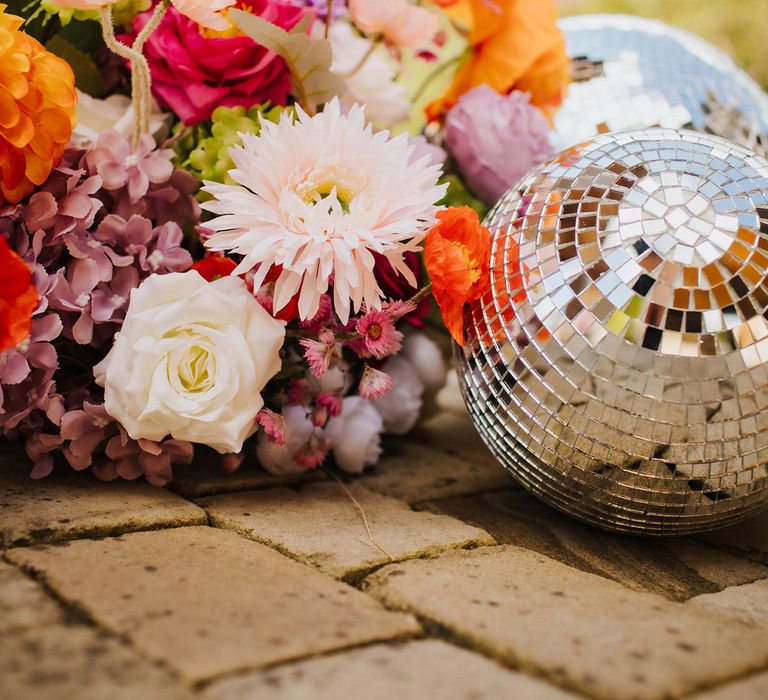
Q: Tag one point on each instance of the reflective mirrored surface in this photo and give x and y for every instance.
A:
(638, 73)
(617, 365)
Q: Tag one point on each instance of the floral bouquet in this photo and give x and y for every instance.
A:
(215, 217)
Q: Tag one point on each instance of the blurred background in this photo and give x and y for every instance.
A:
(738, 26)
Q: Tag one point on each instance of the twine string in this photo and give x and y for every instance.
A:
(360, 510)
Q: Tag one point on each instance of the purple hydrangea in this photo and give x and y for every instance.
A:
(105, 219)
(122, 167)
(496, 139)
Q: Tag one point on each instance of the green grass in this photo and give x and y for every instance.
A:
(738, 26)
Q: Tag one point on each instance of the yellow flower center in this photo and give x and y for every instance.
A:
(375, 331)
(195, 370)
(191, 365)
(473, 267)
(233, 30)
(319, 193)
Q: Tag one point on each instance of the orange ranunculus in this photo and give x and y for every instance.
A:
(37, 110)
(516, 45)
(457, 254)
(18, 298)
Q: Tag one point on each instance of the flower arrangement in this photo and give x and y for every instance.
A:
(219, 219)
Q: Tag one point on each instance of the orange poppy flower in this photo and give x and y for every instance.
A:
(37, 110)
(213, 267)
(457, 254)
(18, 298)
(516, 46)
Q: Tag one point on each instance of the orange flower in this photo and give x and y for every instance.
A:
(213, 267)
(516, 46)
(37, 110)
(457, 254)
(18, 298)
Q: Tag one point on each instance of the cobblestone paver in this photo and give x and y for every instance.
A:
(748, 602)
(58, 662)
(676, 568)
(244, 586)
(410, 671)
(209, 602)
(416, 473)
(287, 520)
(749, 538)
(582, 630)
(76, 505)
(23, 603)
(752, 688)
(448, 433)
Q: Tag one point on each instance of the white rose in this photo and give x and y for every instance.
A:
(401, 405)
(278, 459)
(115, 112)
(191, 360)
(355, 435)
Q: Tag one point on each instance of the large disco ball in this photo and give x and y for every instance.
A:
(637, 73)
(617, 364)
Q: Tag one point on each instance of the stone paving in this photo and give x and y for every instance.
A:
(253, 586)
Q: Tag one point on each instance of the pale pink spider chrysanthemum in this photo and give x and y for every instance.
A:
(317, 196)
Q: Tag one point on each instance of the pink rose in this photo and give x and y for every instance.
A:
(496, 139)
(193, 74)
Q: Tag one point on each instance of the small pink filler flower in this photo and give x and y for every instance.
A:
(374, 383)
(320, 353)
(380, 338)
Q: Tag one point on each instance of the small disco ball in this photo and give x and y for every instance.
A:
(617, 364)
(633, 73)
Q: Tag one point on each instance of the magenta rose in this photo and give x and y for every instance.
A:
(193, 74)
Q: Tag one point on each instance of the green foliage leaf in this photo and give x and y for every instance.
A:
(309, 60)
(84, 35)
(87, 76)
(458, 195)
(16, 7)
(36, 23)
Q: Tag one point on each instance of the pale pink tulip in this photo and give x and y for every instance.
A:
(401, 23)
